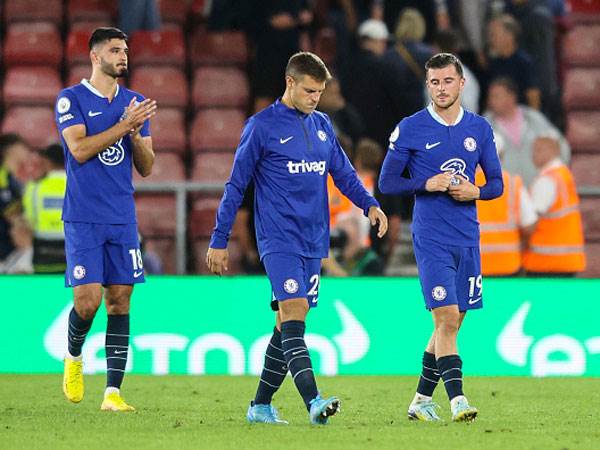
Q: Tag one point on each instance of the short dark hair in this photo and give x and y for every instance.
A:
(307, 63)
(105, 34)
(510, 24)
(441, 60)
(8, 140)
(507, 83)
(54, 153)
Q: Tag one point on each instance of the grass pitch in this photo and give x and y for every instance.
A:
(177, 412)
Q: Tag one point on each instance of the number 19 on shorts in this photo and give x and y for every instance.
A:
(475, 284)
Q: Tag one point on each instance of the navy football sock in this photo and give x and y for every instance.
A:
(450, 368)
(298, 359)
(429, 375)
(78, 330)
(273, 372)
(117, 346)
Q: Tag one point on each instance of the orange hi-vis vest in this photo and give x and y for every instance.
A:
(499, 219)
(556, 245)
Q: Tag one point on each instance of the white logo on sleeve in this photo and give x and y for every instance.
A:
(395, 134)
(78, 272)
(470, 144)
(290, 286)
(283, 141)
(307, 167)
(439, 293)
(429, 146)
(94, 114)
(113, 155)
(322, 135)
(63, 105)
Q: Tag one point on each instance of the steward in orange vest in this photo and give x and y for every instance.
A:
(557, 245)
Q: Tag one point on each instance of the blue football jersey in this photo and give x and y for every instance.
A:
(427, 146)
(99, 190)
(288, 155)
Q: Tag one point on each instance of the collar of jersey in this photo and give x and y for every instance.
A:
(439, 119)
(95, 91)
(282, 107)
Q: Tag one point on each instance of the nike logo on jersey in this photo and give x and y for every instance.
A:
(297, 353)
(119, 352)
(472, 301)
(94, 114)
(429, 146)
(283, 141)
(138, 274)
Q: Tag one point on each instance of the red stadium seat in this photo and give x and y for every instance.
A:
(31, 86)
(218, 49)
(580, 46)
(77, 73)
(86, 10)
(167, 85)
(168, 167)
(35, 124)
(37, 43)
(33, 11)
(325, 45)
(220, 86)
(165, 249)
(90, 25)
(590, 212)
(168, 131)
(583, 131)
(158, 47)
(174, 11)
(216, 129)
(202, 217)
(235, 257)
(156, 214)
(76, 49)
(582, 88)
(586, 169)
(212, 167)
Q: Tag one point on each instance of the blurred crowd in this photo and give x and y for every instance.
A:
(376, 50)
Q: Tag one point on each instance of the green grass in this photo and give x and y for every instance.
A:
(209, 412)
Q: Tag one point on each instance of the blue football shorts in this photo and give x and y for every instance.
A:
(449, 275)
(102, 253)
(293, 276)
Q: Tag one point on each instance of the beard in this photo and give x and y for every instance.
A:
(114, 71)
(445, 106)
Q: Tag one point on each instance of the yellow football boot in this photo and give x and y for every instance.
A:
(73, 380)
(114, 402)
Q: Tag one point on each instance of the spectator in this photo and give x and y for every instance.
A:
(42, 206)
(13, 155)
(519, 125)
(364, 86)
(349, 225)
(347, 122)
(446, 41)
(406, 61)
(434, 13)
(556, 245)
(505, 223)
(138, 15)
(510, 61)
(275, 27)
(19, 260)
(153, 264)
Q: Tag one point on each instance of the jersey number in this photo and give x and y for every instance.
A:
(475, 282)
(314, 290)
(136, 258)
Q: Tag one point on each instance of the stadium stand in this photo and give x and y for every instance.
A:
(35, 43)
(24, 85)
(168, 167)
(76, 49)
(218, 48)
(34, 11)
(169, 132)
(165, 47)
(34, 123)
(167, 85)
(88, 10)
(216, 129)
(212, 167)
(220, 87)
